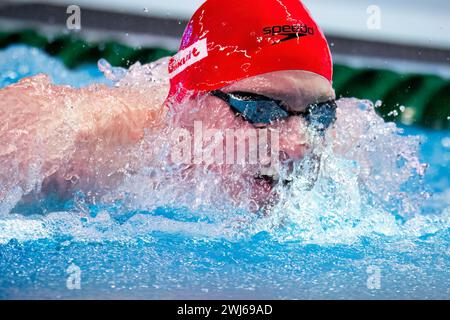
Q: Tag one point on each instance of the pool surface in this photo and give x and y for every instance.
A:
(345, 246)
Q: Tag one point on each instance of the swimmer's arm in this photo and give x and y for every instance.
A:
(58, 139)
(116, 121)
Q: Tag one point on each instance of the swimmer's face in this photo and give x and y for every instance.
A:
(297, 90)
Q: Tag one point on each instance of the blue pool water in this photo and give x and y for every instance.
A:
(14, 66)
(167, 252)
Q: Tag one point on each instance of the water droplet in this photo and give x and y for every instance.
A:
(393, 113)
(446, 142)
(12, 75)
(245, 67)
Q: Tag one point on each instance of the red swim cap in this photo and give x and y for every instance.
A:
(226, 41)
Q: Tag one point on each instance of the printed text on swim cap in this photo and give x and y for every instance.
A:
(188, 57)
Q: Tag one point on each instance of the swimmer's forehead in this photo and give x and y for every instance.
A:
(296, 88)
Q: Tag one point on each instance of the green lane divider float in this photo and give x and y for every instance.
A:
(408, 98)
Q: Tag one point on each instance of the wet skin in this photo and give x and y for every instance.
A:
(297, 89)
(79, 139)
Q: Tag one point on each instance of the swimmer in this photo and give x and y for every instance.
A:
(242, 65)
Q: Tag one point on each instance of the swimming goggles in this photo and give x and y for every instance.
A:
(260, 110)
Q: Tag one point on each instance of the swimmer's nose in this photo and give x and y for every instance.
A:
(293, 139)
(292, 150)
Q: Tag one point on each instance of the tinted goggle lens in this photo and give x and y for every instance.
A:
(258, 109)
(322, 115)
(259, 112)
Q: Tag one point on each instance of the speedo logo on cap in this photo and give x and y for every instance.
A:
(288, 32)
(188, 57)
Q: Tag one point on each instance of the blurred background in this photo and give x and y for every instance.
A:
(397, 52)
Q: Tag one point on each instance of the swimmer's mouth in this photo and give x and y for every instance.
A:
(272, 181)
(271, 176)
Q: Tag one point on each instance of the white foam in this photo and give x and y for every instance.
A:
(367, 168)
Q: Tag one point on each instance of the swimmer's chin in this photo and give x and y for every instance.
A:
(264, 193)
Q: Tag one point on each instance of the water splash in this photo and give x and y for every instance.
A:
(19, 61)
(370, 182)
